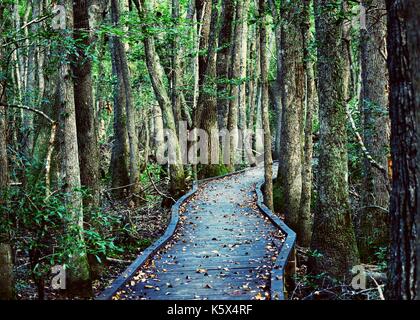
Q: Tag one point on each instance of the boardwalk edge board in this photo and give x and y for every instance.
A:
(286, 251)
(110, 291)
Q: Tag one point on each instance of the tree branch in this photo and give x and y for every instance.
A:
(366, 153)
(39, 112)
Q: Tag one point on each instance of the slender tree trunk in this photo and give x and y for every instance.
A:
(119, 158)
(85, 112)
(242, 93)
(253, 78)
(403, 66)
(333, 235)
(289, 180)
(275, 94)
(31, 93)
(78, 277)
(6, 263)
(278, 93)
(176, 68)
(373, 230)
(223, 62)
(235, 75)
(126, 100)
(305, 217)
(268, 160)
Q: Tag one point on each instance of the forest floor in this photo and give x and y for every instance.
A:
(223, 248)
(138, 227)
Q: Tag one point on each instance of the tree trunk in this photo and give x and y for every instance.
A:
(176, 68)
(235, 77)
(157, 77)
(125, 98)
(413, 36)
(78, 277)
(289, 180)
(333, 235)
(85, 112)
(119, 158)
(373, 229)
(207, 102)
(403, 66)
(268, 160)
(6, 263)
(242, 94)
(223, 62)
(305, 217)
(31, 90)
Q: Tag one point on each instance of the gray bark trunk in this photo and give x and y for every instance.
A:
(289, 180)
(333, 235)
(78, 277)
(373, 229)
(268, 160)
(126, 100)
(305, 217)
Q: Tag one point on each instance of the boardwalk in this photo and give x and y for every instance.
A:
(223, 249)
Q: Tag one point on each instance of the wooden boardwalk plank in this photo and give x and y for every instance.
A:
(224, 248)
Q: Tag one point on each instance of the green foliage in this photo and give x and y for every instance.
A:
(381, 255)
(278, 198)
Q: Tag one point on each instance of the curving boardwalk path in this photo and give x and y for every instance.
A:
(223, 248)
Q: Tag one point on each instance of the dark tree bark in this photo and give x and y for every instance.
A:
(373, 228)
(223, 62)
(119, 158)
(207, 101)
(333, 235)
(203, 10)
(413, 36)
(403, 66)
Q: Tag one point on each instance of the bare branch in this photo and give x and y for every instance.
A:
(39, 112)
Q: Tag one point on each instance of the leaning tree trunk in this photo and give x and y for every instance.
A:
(78, 277)
(6, 263)
(403, 66)
(268, 160)
(289, 180)
(333, 235)
(87, 139)
(374, 219)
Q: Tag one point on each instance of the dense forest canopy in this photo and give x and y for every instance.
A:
(111, 110)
